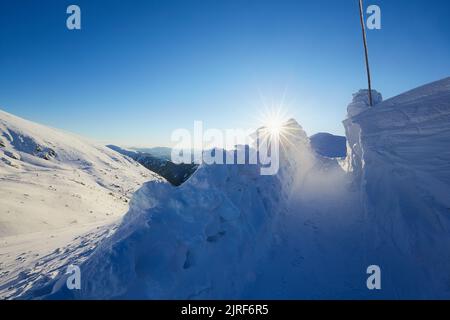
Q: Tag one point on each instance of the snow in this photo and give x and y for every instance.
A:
(32, 259)
(310, 231)
(52, 182)
(406, 187)
(328, 145)
(226, 232)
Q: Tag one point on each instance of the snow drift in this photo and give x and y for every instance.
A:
(223, 233)
(405, 187)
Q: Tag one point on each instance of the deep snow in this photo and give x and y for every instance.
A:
(308, 232)
(229, 232)
(405, 190)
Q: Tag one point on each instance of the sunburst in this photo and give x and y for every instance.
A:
(277, 126)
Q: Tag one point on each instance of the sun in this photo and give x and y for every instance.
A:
(276, 126)
(273, 123)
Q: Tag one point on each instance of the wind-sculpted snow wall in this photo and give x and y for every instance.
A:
(359, 104)
(203, 239)
(404, 147)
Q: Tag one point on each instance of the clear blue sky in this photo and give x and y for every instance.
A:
(139, 69)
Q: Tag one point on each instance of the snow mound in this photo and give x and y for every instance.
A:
(227, 232)
(361, 102)
(405, 187)
(201, 239)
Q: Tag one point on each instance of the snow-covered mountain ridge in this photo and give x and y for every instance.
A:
(72, 180)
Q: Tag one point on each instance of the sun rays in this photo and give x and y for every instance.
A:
(276, 126)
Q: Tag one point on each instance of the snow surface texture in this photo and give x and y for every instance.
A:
(310, 231)
(405, 190)
(53, 186)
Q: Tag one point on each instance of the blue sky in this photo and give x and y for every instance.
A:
(140, 69)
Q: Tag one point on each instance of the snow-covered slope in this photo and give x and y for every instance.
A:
(55, 186)
(52, 179)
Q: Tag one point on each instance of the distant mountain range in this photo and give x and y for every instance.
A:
(325, 144)
(159, 152)
(158, 161)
